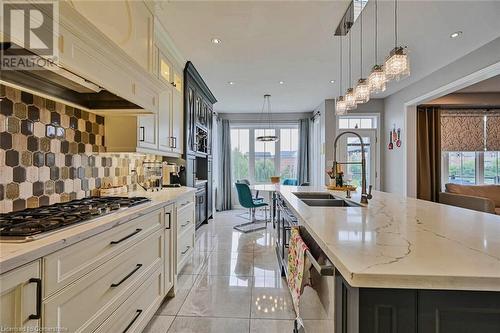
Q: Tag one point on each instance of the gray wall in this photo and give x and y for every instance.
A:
(329, 128)
(393, 173)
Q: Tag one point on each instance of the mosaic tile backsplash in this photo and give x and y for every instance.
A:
(51, 152)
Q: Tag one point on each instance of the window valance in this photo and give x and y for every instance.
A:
(462, 132)
(470, 130)
(493, 133)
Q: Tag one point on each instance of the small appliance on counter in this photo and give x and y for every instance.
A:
(170, 175)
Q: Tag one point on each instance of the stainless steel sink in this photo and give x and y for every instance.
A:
(318, 199)
(313, 195)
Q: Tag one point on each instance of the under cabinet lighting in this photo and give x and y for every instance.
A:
(456, 34)
(231, 83)
(216, 41)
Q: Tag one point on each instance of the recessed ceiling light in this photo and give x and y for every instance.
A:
(456, 34)
(216, 41)
(231, 83)
(332, 81)
(282, 82)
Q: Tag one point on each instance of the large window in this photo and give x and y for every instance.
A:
(258, 161)
(492, 167)
(289, 147)
(471, 167)
(240, 148)
(461, 167)
(265, 157)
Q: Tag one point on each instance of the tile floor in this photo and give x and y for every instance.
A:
(231, 284)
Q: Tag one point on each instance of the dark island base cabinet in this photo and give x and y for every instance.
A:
(373, 310)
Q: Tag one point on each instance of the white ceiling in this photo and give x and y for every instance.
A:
(265, 42)
(490, 85)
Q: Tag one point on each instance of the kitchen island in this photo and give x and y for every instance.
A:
(406, 265)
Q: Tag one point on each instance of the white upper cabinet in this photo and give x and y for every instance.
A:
(148, 132)
(171, 116)
(177, 123)
(165, 140)
(130, 26)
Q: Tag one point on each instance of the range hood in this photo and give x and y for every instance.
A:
(63, 84)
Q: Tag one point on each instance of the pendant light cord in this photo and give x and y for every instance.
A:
(350, 73)
(341, 71)
(376, 32)
(269, 111)
(395, 23)
(361, 44)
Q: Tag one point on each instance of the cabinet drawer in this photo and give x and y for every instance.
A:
(134, 314)
(84, 305)
(185, 245)
(185, 218)
(183, 202)
(71, 263)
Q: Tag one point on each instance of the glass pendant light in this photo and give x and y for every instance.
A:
(397, 64)
(267, 138)
(377, 80)
(350, 99)
(362, 90)
(340, 107)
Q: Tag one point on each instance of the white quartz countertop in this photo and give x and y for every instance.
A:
(401, 242)
(13, 255)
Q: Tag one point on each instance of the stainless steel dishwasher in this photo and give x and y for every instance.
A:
(317, 302)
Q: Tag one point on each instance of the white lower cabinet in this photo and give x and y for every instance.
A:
(112, 282)
(169, 248)
(20, 299)
(84, 305)
(185, 209)
(134, 314)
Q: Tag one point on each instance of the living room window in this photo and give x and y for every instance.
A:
(470, 147)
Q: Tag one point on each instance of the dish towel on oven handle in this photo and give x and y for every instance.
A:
(298, 269)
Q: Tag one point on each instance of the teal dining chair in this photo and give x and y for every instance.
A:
(247, 201)
(290, 182)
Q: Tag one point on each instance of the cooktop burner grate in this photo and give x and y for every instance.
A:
(35, 221)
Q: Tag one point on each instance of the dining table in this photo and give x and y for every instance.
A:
(270, 189)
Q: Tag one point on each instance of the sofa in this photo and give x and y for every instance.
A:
(484, 198)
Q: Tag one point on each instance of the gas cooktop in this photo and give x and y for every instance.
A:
(34, 223)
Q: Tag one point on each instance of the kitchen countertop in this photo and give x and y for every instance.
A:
(13, 255)
(401, 242)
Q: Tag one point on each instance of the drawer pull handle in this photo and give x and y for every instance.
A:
(126, 237)
(169, 219)
(137, 314)
(128, 275)
(185, 224)
(184, 204)
(185, 251)
(38, 298)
